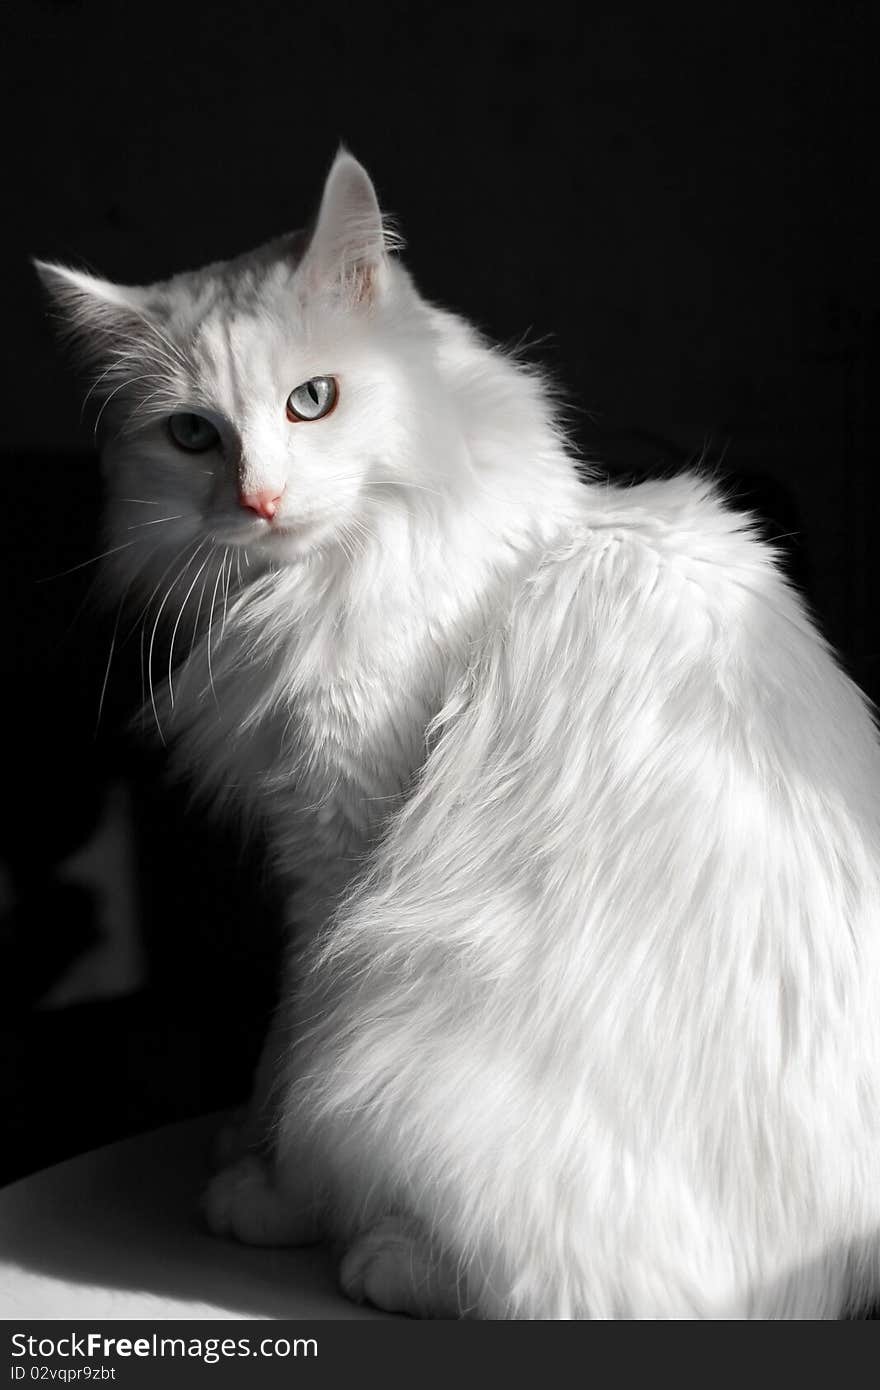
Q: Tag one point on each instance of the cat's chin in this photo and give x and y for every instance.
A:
(290, 544)
(276, 542)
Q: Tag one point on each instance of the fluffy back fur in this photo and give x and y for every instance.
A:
(588, 817)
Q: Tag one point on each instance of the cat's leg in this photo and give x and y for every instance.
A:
(232, 1140)
(393, 1266)
(253, 1198)
(248, 1129)
(246, 1202)
(245, 1199)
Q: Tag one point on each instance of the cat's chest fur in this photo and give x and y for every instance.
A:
(358, 737)
(316, 733)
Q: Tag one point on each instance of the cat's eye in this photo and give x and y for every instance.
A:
(313, 399)
(192, 432)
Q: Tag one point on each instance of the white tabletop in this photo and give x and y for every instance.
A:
(115, 1233)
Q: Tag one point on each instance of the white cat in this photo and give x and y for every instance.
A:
(583, 1017)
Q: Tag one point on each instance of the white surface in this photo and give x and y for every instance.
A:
(115, 1233)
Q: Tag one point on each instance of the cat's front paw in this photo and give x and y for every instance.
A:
(244, 1203)
(391, 1267)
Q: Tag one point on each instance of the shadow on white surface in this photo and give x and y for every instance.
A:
(115, 1233)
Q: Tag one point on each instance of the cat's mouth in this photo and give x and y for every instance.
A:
(276, 529)
(288, 539)
(285, 539)
(287, 531)
(258, 532)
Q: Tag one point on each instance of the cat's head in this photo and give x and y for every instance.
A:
(256, 403)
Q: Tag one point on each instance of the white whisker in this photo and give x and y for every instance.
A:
(114, 366)
(167, 595)
(143, 613)
(177, 625)
(226, 587)
(127, 381)
(45, 579)
(110, 656)
(143, 678)
(195, 632)
(138, 525)
(210, 627)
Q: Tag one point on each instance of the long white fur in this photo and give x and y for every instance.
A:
(588, 983)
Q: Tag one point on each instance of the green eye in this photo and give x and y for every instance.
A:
(192, 432)
(314, 399)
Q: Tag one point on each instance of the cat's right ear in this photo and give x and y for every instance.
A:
(348, 250)
(102, 317)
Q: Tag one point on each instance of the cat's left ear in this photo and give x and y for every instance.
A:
(349, 247)
(103, 317)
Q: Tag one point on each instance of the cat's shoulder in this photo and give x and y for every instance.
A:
(678, 534)
(682, 518)
(666, 564)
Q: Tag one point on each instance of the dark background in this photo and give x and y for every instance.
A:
(673, 200)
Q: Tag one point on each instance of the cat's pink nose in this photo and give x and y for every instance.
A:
(265, 502)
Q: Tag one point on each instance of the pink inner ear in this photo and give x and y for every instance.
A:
(364, 283)
(358, 283)
(348, 245)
